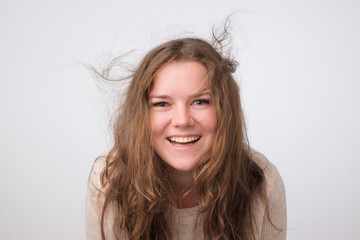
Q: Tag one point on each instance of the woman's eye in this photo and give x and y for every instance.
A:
(201, 102)
(159, 104)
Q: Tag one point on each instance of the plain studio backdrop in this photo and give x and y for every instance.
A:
(299, 75)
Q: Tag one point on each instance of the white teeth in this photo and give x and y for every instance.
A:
(184, 139)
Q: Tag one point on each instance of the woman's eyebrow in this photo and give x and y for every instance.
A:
(202, 93)
(160, 96)
(195, 95)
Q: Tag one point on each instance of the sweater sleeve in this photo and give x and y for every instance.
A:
(275, 229)
(94, 199)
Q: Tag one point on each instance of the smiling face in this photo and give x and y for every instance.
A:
(182, 115)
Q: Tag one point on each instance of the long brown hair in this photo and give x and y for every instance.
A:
(226, 180)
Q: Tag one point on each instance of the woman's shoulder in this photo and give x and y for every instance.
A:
(94, 204)
(268, 167)
(274, 182)
(275, 191)
(94, 181)
(99, 164)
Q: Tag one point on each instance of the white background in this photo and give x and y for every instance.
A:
(299, 73)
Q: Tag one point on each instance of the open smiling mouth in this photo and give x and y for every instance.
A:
(183, 141)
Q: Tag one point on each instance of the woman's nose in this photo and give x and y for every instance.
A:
(182, 117)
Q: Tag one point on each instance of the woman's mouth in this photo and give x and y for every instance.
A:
(183, 141)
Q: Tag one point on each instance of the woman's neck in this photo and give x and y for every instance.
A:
(184, 195)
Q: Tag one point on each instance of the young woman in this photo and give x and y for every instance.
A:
(181, 166)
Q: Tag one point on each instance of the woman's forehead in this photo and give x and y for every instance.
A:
(182, 73)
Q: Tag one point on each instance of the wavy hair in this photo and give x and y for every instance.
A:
(226, 179)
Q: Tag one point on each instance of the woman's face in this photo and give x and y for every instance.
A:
(182, 114)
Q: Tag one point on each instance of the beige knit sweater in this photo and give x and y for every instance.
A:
(185, 224)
